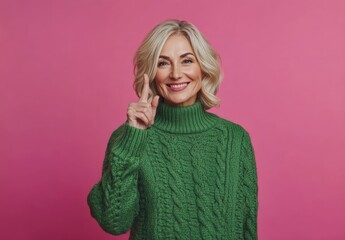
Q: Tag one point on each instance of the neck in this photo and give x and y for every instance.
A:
(183, 119)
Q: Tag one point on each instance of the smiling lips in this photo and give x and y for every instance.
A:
(177, 87)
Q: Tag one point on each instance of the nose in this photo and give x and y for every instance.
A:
(175, 73)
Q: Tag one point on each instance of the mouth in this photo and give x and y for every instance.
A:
(177, 86)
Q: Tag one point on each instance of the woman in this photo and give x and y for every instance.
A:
(173, 170)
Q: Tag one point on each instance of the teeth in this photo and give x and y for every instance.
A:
(178, 85)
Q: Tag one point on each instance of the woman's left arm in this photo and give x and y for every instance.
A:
(250, 188)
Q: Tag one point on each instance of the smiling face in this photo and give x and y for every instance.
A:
(178, 77)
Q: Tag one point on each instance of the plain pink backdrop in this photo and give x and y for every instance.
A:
(66, 80)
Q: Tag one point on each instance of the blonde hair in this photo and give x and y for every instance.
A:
(147, 55)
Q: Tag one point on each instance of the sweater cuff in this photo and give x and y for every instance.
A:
(131, 143)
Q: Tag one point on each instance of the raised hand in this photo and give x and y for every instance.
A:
(141, 114)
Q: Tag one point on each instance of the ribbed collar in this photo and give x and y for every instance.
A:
(190, 119)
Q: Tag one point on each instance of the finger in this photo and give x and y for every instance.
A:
(142, 117)
(139, 106)
(154, 105)
(147, 112)
(144, 108)
(145, 92)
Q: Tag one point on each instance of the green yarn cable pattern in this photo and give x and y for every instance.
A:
(170, 153)
(111, 205)
(218, 207)
(201, 188)
(192, 175)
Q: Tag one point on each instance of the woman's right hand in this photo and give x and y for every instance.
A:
(141, 114)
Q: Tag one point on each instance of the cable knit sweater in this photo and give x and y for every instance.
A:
(192, 175)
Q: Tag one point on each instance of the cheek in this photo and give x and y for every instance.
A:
(160, 86)
(160, 76)
(195, 73)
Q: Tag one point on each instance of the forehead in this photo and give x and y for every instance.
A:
(176, 44)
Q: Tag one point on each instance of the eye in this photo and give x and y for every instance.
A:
(187, 61)
(162, 64)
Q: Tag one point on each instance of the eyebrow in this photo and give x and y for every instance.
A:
(181, 56)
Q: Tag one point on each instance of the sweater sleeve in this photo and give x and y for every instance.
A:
(250, 188)
(114, 200)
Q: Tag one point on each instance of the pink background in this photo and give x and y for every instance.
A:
(66, 80)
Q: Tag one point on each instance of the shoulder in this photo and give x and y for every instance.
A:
(236, 128)
(117, 134)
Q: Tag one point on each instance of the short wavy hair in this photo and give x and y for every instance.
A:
(146, 59)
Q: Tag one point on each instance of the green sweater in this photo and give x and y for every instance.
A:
(191, 175)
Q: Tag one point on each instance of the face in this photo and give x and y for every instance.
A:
(178, 77)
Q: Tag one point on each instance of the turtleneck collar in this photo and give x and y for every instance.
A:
(190, 119)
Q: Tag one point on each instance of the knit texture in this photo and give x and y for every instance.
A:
(192, 175)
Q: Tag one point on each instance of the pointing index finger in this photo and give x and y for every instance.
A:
(145, 92)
